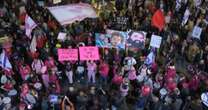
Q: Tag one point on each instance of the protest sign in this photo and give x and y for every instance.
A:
(89, 53)
(41, 3)
(155, 41)
(22, 9)
(117, 39)
(121, 22)
(68, 14)
(61, 36)
(56, 1)
(103, 40)
(67, 54)
(196, 32)
(136, 39)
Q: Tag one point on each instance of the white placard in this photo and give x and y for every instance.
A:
(196, 32)
(22, 9)
(61, 36)
(41, 3)
(68, 14)
(156, 41)
(56, 1)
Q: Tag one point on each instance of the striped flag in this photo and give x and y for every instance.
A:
(197, 3)
(150, 58)
(178, 5)
(185, 17)
(4, 61)
(29, 25)
(33, 44)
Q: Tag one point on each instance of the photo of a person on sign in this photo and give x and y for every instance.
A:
(117, 40)
(136, 40)
(102, 40)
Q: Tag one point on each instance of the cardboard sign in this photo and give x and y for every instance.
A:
(155, 41)
(61, 36)
(67, 54)
(56, 1)
(89, 53)
(196, 32)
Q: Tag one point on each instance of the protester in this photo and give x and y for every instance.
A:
(152, 55)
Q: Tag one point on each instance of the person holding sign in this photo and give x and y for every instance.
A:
(69, 73)
(103, 70)
(91, 71)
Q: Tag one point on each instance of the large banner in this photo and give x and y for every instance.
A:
(89, 53)
(120, 39)
(68, 14)
(136, 39)
(67, 54)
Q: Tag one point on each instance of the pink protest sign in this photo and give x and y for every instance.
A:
(67, 54)
(89, 53)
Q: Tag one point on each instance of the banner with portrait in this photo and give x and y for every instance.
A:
(117, 39)
(103, 40)
(136, 39)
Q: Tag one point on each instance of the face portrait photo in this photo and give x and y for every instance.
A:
(102, 40)
(136, 39)
(117, 39)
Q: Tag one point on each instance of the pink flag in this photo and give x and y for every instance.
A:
(29, 25)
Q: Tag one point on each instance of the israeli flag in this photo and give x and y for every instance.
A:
(29, 25)
(197, 3)
(178, 5)
(185, 17)
(4, 61)
(150, 58)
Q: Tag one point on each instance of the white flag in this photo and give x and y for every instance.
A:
(33, 44)
(4, 61)
(178, 5)
(185, 17)
(29, 25)
(197, 3)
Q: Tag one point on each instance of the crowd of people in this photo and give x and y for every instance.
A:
(120, 80)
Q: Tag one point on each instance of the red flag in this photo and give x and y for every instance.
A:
(158, 20)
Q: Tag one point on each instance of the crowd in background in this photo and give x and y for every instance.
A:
(119, 80)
